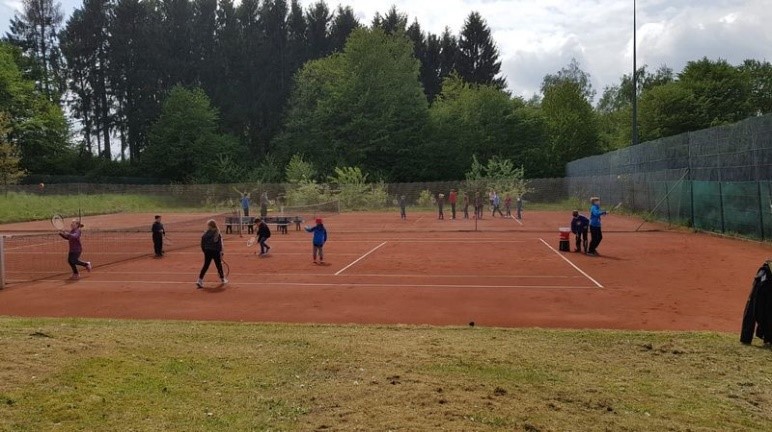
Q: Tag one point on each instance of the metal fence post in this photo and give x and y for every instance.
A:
(2, 261)
(761, 209)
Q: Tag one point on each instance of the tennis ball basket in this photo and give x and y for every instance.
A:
(565, 237)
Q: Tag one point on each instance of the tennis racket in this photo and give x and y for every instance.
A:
(57, 222)
(617, 207)
(251, 242)
(226, 268)
(167, 241)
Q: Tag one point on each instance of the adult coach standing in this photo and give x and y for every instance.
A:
(595, 231)
(245, 201)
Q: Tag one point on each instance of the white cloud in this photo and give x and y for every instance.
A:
(538, 37)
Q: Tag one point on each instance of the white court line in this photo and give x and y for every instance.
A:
(572, 264)
(517, 220)
(401, 276)
(397, 240)
(361, 258)
(335, 285)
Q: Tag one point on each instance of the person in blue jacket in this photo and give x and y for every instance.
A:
(319, 239)
(580, 226)
(595, 231)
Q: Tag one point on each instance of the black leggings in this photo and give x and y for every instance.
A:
(581, 239)
(158, 244)
(597, 236)
(73, 259)
(209, 256)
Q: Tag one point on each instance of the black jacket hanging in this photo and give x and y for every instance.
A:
(758, 309)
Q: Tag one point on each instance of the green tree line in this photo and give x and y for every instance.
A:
(207, 90)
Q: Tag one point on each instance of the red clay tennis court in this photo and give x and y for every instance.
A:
(380, 269)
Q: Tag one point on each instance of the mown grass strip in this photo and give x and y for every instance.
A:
(76, 374)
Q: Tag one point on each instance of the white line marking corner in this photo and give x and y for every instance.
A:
(572, 264)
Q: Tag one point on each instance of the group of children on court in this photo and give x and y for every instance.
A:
(452, 199)
(211, 245)
(212, 241)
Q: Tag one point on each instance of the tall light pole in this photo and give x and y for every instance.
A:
(635, 81)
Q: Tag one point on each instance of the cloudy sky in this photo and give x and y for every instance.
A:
(537, 37)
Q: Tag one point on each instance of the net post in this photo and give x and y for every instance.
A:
(2, 262)
(240, 214)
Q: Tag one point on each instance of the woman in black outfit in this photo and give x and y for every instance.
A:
(211, 245)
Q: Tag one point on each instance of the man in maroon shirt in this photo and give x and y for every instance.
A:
(452, 198)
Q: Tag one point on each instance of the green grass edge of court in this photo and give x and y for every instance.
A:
(94, 374)
(20, 207)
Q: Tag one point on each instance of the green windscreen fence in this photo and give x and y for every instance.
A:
(717, 179)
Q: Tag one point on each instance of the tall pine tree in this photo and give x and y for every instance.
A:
(135, 72)
(343, 24)
(448, 53)
(478, 58)
(35, 30)
(318, 18)
(391, 23)
(85, 45)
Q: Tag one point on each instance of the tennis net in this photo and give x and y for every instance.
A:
(28, 257)
(310, 212)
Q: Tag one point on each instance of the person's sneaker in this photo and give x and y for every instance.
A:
(224, 281)
(88, 266)
(75, 276)
(592, 253)
(200, 283)
(577, 250)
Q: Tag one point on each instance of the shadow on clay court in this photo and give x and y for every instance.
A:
(213, 290)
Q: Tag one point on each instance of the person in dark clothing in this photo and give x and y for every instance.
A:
(478, 206)
(519, 206)
(158, 236)
(466, 205)
(580, 227)
(440, 206)
(402, 207)
(595, 231)
(75, 250)
(212, 246)
(263, 234)
(452, 198)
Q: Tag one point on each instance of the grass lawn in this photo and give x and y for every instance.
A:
(76, 374)
(20, 207)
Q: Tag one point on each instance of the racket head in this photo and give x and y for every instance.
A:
(226, 268)
(251, 242)
(57, 222)
(167, 241)
(618, 206)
